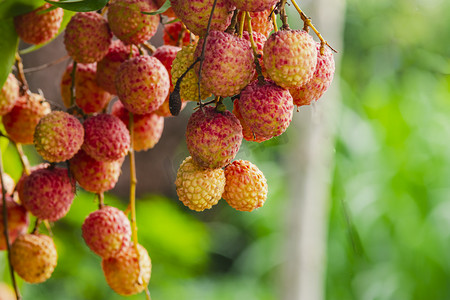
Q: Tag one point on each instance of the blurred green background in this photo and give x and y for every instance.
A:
(389, 217)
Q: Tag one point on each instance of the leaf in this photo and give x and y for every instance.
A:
(161, 10)
(66, 18)
(80, 5)
(12, 8)
(8, 48)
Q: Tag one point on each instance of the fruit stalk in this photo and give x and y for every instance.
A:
(21, 75)
(241, 25)
(23, 159)
(274, 19)
(283, 15)
(255, 53)
(133, 182)
(72, 84)
(5, 232)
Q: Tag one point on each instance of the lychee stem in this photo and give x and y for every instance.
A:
(22, 78)
(308, 23)
(232, 28)
(23, 159)
(274, 19)
(283, 15)
(147, 293)
(5, 232)
(47, 65)
(36, 226)
(150, 48)
(101, 200)
(241, 25)
(255, 53)
(72, 83)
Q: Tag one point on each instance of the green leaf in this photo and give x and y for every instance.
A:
(173, 21)
(12, 8)
(8, 48)
(161, 10)
(80, 5)
(66, 18)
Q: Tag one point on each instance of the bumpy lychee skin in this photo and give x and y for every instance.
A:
(34, 257)
(195, 14)
(58, 136)
(266, 108)
(245, 187)
(107, 68)
(261, 22)
(107, 231)
(129, 272)
(106, 138)
(17, 219)
(228, 65)
(89, 96)
(247, 132)
(48, 193)
(166, 54)
(129, 24)
(213, 138)
(95, 176)
(290, 57)
(8, 95)
(319, 83)
(173, 32)
(199, 188)
(142, 84)
(37, 27)
(19, 185)
(189, 84)
(148, 128)
(21, 121)
(253, 5)
(87, 37)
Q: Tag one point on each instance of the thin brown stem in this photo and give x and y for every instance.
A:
(36, 226)
(283, 15)
(6, 232)
(150, 48)
(101, 200)
(23, 158)
(72, 83)
(45, 66)
(232, 28)
(255, 51)
(24, 84)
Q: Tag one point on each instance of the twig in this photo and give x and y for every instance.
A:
(5, 232)
(241, 25)
(72, 83)
(36, 226)
(149, 47)
(23, 158)
(274, 19)
(255, 52)
(232, 28)
(101, 200)
(21, 74)
(283, 15)
(42, 67)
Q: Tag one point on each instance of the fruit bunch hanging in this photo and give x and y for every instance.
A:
(117, 91)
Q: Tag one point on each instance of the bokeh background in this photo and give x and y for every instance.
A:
(382, 230)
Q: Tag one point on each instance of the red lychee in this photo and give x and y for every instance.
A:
(260, 21)
(175, 34)
(17, 221)
(8, 94)
(247, 133)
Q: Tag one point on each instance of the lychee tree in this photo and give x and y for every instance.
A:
(232, 50)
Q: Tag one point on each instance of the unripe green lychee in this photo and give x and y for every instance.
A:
(37, 27)
(107, 231)
(34, 257)
(21, 121)
(142, 84)
(106, 138)
(189, 84)
(266, 108)
(290, 57)
(48, 193)
(253, 5)
(17, 219)
(129, 272)
(319, 83)
(228, 64)
(107, 68)
(58, 136)
(199, 188)
(87, 37)
(129, 24)
(93, 175)
(148, 128)
(245, 187)
(213, 138)
(9, 94)
(89, 96)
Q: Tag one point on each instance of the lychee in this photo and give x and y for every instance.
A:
(106, 138)
(166, 54)
(107, 68)
(142, 84)
(129, 272)
(107, 231)
(319, 83)
(89, 96)
(21, 121)
(253, 5)
(245, 187)
(260, 21)
(266, 108)
(17, 219)
(228, 63)
(8, 94)
(189, 84)
(199, 188)
(259, 40)
(48, 193)
(175, 34)
(148, 128)
(195, 14)
(290, 57)
(34, 257)
(213, 138)
(87, 37)
(37, 26)
(58, 136)
(129, 24)
(95, 176)
(247, 132)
